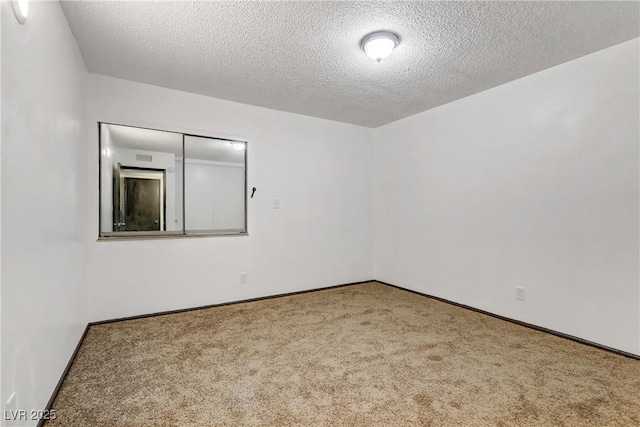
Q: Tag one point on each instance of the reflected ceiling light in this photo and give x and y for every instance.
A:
(378, 45)
(238, 145)
(20, 9)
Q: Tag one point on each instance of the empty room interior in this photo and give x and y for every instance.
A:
(331, 213)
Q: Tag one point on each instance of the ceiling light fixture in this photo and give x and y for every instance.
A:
(378, 45)
(20, 9)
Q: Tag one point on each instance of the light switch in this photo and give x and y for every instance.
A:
(276, 203)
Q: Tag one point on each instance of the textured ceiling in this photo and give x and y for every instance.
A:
(304, 57)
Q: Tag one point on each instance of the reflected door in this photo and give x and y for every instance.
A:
(142, 204)
(141, 200)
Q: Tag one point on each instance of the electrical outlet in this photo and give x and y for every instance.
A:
(243, 277)
(276, 203)
(520, 293)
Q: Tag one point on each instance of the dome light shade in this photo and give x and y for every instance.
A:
(379, 45)
(20, 9)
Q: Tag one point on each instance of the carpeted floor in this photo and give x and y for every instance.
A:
(358, 355)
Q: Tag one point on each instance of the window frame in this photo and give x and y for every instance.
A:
(172, 234)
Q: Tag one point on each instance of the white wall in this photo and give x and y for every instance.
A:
(43, 202)
(533, 183)
(321, 235)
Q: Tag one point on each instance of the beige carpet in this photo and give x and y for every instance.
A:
(359, 355)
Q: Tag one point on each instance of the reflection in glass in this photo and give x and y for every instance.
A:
(152, 180)
(215, 194)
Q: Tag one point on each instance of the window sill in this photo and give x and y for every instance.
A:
(167, 237)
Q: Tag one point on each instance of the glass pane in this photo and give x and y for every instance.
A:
(214, 185)
(141, 180)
